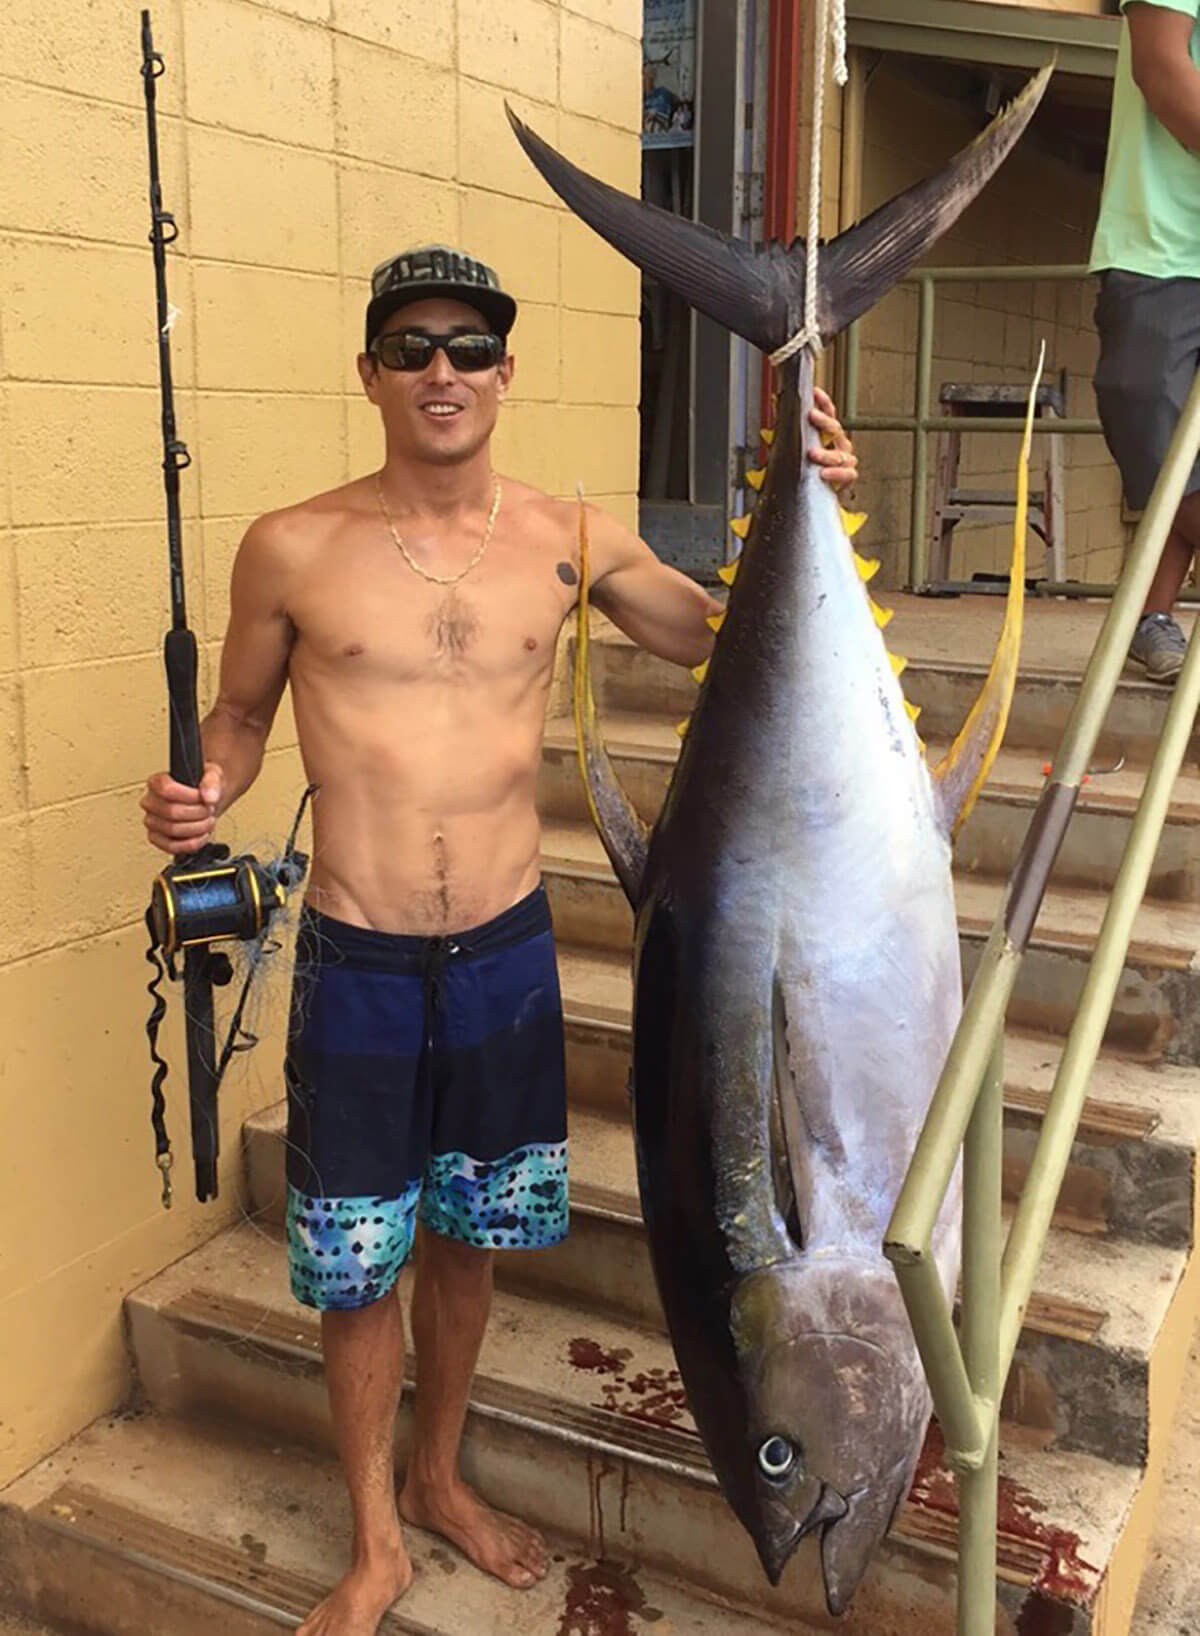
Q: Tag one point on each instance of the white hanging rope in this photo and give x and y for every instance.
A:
(828, 21)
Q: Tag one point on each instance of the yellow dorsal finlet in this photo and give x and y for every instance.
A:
(756, 476)
(740, 526)
(715, 621)
(767, 433)
(913, 710)
(867, 567)
(728, 573)
(682, 727)
(852, 521)
(899, 665)
(881, 616)
(700, 672)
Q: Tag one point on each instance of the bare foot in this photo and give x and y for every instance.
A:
(497, 1543)
(358, 1603)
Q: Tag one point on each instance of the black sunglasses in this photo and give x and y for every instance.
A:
(413, 350)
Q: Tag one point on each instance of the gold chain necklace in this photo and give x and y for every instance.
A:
(440, 579)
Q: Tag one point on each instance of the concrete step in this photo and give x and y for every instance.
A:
(1157, 1007)
(949, 648)
(578, 1422)
(1133, 1171)
(645, 748)
(1082, 1375)
(156, 1527)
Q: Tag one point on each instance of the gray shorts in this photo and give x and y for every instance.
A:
(1149, 353)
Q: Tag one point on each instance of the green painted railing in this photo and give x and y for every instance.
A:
(923, 422)
(967, 1371)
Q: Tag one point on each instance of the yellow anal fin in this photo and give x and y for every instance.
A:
(962, 772)
(621, 828)
(867, 567)
(728, 573)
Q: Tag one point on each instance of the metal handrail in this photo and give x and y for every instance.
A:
(922, 422)
(967, 1380)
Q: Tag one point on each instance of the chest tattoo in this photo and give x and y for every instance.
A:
(566, 572)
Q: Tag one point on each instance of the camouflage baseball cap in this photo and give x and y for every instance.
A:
(433, 270)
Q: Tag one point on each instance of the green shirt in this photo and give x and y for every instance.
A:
(1150, 208)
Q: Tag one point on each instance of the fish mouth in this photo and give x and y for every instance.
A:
(776, 1553)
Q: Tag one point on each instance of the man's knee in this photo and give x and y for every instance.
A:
(450, 1261)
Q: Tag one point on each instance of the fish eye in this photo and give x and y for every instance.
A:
(776, 1458)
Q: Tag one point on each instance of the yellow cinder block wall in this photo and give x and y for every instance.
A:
(302, 141)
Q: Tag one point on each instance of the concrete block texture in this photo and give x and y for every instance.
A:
(301, 142)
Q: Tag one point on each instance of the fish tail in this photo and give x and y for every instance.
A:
(962, 773)
(622, 831)
(758, 292)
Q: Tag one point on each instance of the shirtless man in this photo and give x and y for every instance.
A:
(415, 614)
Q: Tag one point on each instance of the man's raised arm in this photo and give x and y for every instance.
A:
(660, 608)
(1163, 70)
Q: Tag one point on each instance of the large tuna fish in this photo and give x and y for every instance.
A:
(797, 977)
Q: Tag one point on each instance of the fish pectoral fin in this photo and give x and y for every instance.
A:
(962, 772)
(789, 1170)
(621, 829)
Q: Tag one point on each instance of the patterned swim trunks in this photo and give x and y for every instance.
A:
(425, 1076)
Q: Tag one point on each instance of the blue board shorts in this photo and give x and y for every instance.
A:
(425, 1076)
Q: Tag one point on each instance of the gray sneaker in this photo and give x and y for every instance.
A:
(1159, 645)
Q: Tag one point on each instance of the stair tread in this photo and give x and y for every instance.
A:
(1164, 933)
(621, 1394)
(1159, 1099)
(250, 1509)
(1016, 773)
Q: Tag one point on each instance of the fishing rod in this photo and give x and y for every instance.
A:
(207, 897)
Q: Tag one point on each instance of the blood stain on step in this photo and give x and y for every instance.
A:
(255, 1548)
(1063, 1575)
(583, 1353)
(603, 1598)
(1041, 1617)
(444, 1560)
(656, 1395)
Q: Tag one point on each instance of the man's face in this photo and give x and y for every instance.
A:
(438, 414)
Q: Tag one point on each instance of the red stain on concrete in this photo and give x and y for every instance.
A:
(1064, 1576)
(656, 1395)
(583, 1353)
(603, 1599)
